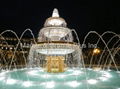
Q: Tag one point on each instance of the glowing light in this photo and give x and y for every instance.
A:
(50, 84)
(103, 78)
(46, 76)
(109, 70)
(2, 78)
(61, 76)
(70, 70)
(10, 47)
(55, 22)
(96, 51)
(41, 70)
(90, 69)
(92, 81)
(55, 13)
(102, 71)
(73, 84)
(77, 72)
(106, 74)
(33, 72)
(97, 69)
(27, 84)
(3, 73)
(118, 72)
(11, 81)
(53, 33)
(55, 51)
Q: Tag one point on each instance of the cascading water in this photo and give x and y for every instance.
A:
(57, 62)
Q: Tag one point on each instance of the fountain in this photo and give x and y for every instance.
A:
(55, 46)
(56, 61)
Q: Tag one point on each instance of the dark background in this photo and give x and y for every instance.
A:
(82, 15)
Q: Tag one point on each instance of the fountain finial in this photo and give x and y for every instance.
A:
(55, 20)
(55, 13)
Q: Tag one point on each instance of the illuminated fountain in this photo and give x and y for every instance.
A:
(55, 47)
(56, 61)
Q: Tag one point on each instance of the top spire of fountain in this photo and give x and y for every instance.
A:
(55, 13)
(55, 29)
(55, 20)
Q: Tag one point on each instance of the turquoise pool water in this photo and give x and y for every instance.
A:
(36, 78)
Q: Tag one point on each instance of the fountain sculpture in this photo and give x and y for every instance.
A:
(55, 45)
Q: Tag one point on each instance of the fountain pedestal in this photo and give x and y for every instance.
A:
(55, 64)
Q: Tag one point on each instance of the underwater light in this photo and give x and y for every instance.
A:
(27, 84)
(2, 78)
(109, 70)
(70, 70)
(103, 78)
(46, 76)
(62, 76)
(73, 84)
(92, 81)
(50, 84)
(106, 74)
(11, 81)
(33, 72)
(76, 72)
(3, 73)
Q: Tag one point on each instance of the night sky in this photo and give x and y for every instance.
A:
(82, 15)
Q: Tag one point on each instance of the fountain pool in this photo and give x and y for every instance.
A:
(73, 78)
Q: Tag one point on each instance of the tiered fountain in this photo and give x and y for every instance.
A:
(56, 62)
(55, 48)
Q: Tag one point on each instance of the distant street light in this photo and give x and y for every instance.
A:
(96, 51)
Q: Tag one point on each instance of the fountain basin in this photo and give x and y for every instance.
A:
(74, 78)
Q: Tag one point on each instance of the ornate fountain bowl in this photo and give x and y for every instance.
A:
(55, 56)
(56, 48)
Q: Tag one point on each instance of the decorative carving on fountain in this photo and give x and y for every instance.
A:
(55, 64)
